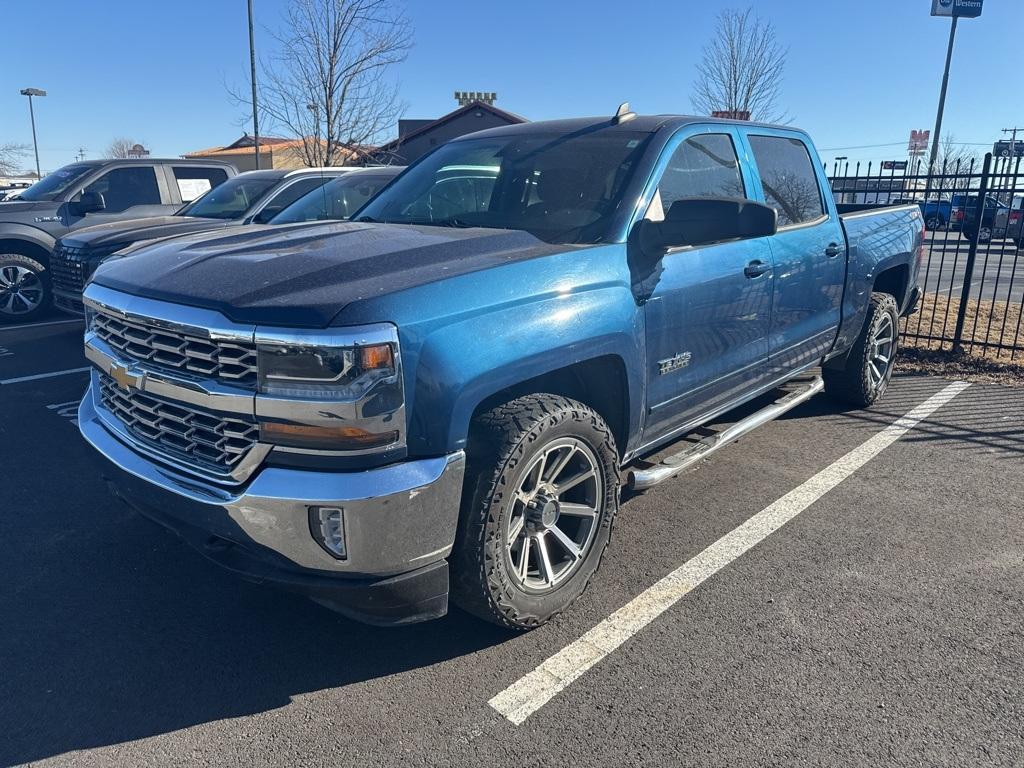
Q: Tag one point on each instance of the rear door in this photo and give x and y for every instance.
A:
(707, 314)
(809, 250)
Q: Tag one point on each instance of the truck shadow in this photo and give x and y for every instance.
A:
(115, 631)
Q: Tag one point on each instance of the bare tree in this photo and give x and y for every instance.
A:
(10, 157)
(741, 68)
(327, 85)
(120, 148)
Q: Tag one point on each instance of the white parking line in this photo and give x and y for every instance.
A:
(40, 325)
(530, 693)
(49, 375)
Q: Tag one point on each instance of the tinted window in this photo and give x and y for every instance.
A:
(788, 177)
(195, 181)
(54, 183)
(231, 199)
(124, 187)
(338, 199)
(702, 166)
(560, 187)
(289, 195)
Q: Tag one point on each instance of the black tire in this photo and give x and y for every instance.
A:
(935, 223)
(506, 443)
(24, 288)
(857, 383)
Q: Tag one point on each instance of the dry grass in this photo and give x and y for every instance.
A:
(998, 322)
(991, 321)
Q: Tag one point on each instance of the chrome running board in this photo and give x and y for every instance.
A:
(642, 479)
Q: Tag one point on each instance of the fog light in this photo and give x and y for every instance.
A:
(327, 524)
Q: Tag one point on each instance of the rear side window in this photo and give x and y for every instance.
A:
(124, 187)
(194, 181)
(788, 177)
(702, 166)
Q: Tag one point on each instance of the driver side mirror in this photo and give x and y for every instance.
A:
(704, 220)
(90, 202)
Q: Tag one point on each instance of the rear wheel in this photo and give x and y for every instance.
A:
(984, 234)
(869, 367)
(24, 288)
(934, 223)
(541, 494)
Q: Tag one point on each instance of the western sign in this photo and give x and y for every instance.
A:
(969, 9)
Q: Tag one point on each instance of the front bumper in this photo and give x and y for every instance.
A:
(399, 523)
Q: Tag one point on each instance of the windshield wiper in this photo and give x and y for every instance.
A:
(368, 220)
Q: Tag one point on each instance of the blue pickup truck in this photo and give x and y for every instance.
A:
(445, 395)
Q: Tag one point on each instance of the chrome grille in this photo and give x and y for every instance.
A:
(68, 269)
(195, 435)
(173, 350)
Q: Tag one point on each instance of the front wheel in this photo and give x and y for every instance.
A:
(24, 288)
(869, 367)
(541, 493)
(934, 223)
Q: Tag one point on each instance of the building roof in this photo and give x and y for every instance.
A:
(245, 145)
(471, 107)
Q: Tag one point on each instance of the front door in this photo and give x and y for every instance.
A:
(809, 253)
(707, 317)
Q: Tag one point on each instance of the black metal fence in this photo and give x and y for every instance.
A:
(973, 270)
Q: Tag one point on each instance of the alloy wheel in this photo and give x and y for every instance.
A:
(553, 515)
(21, 290)
(881, 355)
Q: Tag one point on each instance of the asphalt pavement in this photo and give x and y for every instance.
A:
(881, 624)
(998, 268)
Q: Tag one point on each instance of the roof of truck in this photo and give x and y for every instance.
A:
(148, 161)
(640, 123)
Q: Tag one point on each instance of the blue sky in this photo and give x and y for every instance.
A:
(860, 72)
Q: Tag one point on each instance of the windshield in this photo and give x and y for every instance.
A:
(231, 199)
(562, 188)
(51, 185)
(337, 199)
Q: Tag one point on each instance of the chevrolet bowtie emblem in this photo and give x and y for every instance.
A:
(125, 378)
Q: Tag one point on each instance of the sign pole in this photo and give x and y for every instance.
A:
(942, 98)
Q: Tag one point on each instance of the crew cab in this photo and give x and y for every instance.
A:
(442, 397)
(254, 196)
(84, 193)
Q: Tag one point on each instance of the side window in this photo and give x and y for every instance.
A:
(194, 181)
(788, 177)
(702, 166)
(289, 195)
(124, 187)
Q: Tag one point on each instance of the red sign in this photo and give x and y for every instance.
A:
(918, 141)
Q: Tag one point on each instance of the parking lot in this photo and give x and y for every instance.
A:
(869, 613)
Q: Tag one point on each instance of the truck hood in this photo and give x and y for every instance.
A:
(304, 274)
(134, 230)
(23, 206)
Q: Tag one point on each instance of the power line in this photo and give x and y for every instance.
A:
(901, 143)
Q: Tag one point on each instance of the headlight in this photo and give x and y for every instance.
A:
(338, 391)
(323, 373)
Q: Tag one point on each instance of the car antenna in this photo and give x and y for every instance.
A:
(623, 114)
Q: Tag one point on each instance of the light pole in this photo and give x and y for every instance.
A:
(30, 92)
(252, 72)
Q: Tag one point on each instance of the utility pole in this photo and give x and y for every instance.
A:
(942, 98)
(1013, 138)
(252, 77)
(81, 154)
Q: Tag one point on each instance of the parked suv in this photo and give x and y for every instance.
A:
(340, 198)
(92, 191)
(252, 197)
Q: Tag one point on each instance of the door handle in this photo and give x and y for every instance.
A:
(833, 249)
(756, 269)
